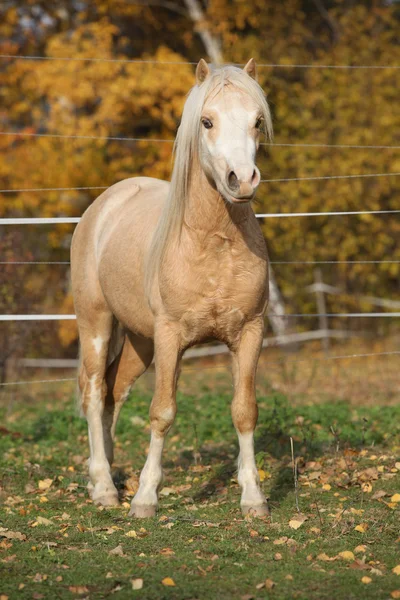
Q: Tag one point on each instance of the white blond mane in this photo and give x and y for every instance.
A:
(186, 149)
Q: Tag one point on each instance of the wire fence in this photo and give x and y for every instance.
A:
(207, 367)
(360, 315)
(185, 62)
(272, 262)
(171, 141)
(282, 180)
(74, 220)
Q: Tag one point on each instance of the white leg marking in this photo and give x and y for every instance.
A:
(99, 469)
(248, 478)
(151, 475)
(98, 343)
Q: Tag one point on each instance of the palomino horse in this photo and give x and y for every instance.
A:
(158, 267)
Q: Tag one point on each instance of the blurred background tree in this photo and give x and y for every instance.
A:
(144, 100)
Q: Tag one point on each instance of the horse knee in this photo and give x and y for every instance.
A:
(162, 416)
(244, 415)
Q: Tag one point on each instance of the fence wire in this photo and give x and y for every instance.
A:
(185, 62)
(171, 141)
(205, 368)
(272, 262)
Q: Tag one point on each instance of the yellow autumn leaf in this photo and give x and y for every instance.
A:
(346, 555)
(396, 570)
(44, 484)
(168, 581)
(395, 498)
(360, 548)
(131, 534)
(326, 487)
(362, 528)
(366, 579)
(297, 521)
(261, 474)
(395, 594)
(366, 488)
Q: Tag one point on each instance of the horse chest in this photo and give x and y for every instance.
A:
(217, 291)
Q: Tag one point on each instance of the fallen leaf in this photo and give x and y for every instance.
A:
(324, 557)
(360, 548)
(366, 488)
(346, 555)
(137, 584)
(263, 475)
(326, 487)
(297, 521)
(78, 589)
(269, 584)
(131, 534)
(395, 498)
(166, 491)
(118, 551)
(44, 484)
(366, 579)
(278, 556)
(168, 581)
(12, 535)
(281, 540)
(362, 528)
(44, 521)
(260, 586)
(169, 552)
(396, 593)
(379, 494)
(396, 570)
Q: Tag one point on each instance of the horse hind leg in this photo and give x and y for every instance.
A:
(133, 360)
(95, 335)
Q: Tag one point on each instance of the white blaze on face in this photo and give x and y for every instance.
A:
(231, 143)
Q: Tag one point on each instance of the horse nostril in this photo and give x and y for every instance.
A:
(233, 181)
(255, 178)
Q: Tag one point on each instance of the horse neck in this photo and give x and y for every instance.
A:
(206, 211)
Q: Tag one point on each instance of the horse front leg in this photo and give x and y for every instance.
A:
(162, 416)
(244, 415)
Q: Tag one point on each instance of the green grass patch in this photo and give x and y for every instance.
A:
(348, 473)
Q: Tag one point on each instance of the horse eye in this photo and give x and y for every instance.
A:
(207, 123)
(258, 123)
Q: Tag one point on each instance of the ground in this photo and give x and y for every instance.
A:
(343, 541)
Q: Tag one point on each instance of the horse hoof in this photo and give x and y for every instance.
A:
(106, 500)
(143, 511)
(261, 510)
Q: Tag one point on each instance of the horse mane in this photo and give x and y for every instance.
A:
(185, 150)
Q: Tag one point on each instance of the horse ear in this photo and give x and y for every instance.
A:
(251, 68)
(202, 71)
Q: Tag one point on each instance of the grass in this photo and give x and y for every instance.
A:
(345, 454)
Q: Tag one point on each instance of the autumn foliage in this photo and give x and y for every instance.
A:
(112, 98)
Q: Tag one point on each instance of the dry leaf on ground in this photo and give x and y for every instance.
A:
(168, 581)
(297, 521)
(396, 570)
(346, 555)
(137, 584)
